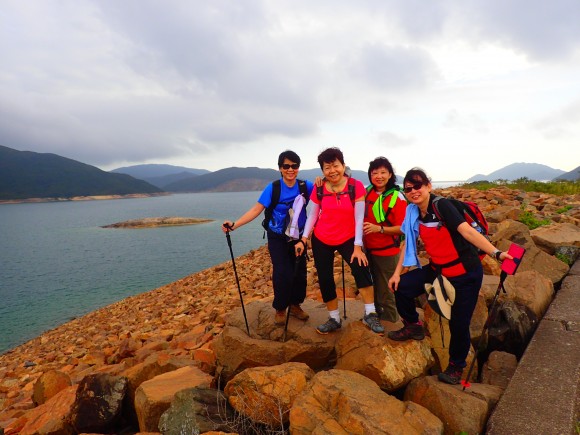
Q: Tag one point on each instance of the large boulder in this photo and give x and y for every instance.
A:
(197, 410)
(236, 351)
(153, 397)
(266, 394)
(461, 411)
(344, 402)
(390, 364)
(499, 369)
(513, 231)
(536, 259)
(550, 237)
(438, 329)
(49, 384)
(52, 417)
(98, 403)
(526, 287)
(511, 328)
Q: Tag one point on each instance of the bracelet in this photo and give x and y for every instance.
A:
(232, 226)
(496, 254)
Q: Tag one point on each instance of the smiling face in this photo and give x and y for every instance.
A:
(333, 171)
(380, 177)
(417, 192)
(289, 171)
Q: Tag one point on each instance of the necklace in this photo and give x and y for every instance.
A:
(337, 188)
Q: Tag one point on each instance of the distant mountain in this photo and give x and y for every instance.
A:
(226, 180)
(533, 171)
(160, 175)
(573, 175)
(26, 174)
(157, 170)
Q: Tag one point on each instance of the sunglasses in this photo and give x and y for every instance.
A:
(288, 166)
(415, 186)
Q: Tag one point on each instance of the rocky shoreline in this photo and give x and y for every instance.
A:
(82, 198)
(155, 222)
(178, 332)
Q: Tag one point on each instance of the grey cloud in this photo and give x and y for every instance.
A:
(393, 140)
(561, 123)
(541, 29)
(392, 68)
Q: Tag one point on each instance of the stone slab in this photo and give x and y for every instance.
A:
(566, 306)
(575, 269)
(542, 396)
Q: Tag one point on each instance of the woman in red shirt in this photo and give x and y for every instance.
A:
(384, 214)
(338, 212)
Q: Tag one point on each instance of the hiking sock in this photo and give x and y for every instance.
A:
(370, 308)
(334, 314)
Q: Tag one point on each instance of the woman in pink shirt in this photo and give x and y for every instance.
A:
(337, 218)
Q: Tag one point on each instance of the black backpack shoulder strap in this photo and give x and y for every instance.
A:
(435, 204)
(351, 189)
(303, 188)
(276, 189)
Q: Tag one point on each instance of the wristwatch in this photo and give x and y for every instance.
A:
(382, 230)
(496, 254)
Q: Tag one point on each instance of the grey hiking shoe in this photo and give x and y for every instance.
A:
(374, 324)
(409, 331)
(330, 325)
(451, 375)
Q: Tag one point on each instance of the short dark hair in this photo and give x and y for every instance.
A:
(383, 162)
(416, 174)
(329, 155)
(290, 155)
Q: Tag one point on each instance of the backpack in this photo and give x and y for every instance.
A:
(470, 212)
(351, 182)
(396, 193)
(276, 189)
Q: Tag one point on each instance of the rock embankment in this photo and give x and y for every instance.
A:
(155, 222)
(178, 359)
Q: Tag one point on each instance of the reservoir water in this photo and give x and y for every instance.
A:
(56, 263)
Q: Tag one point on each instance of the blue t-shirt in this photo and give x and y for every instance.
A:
(279, 222)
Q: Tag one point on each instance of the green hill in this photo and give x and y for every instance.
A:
(26, 174)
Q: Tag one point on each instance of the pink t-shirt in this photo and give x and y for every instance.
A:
(336, 224)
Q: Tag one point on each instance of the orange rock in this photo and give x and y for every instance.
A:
(48, 385)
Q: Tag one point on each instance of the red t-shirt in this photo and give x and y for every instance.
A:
(335, 224)
(376, 241)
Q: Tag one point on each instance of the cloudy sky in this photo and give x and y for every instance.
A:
(456, 87)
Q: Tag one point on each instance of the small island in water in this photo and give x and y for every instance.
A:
(155, 222)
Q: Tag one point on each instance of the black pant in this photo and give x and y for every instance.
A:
(288, 275)
(467, 288)
(324, 262)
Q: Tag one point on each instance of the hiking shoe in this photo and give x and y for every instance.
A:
(451, 375)
(298, 312)
(374, 324)
(409, 331)
(330, 325)
(280, 317)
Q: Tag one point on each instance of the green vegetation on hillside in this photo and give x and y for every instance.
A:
(25, 174)
(563, 187)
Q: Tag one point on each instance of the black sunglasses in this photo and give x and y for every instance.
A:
(288, 166)
(415, 186)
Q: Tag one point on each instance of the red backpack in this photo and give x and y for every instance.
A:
(470, 212)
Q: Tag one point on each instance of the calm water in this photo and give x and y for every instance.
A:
(56, 263)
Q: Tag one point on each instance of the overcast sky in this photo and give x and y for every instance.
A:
(456, 87)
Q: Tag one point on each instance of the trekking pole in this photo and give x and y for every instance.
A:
(343, 290)
(228, 228)
(502, 277)
(290, 295)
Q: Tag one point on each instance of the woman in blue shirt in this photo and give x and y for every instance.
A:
(289, 287)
